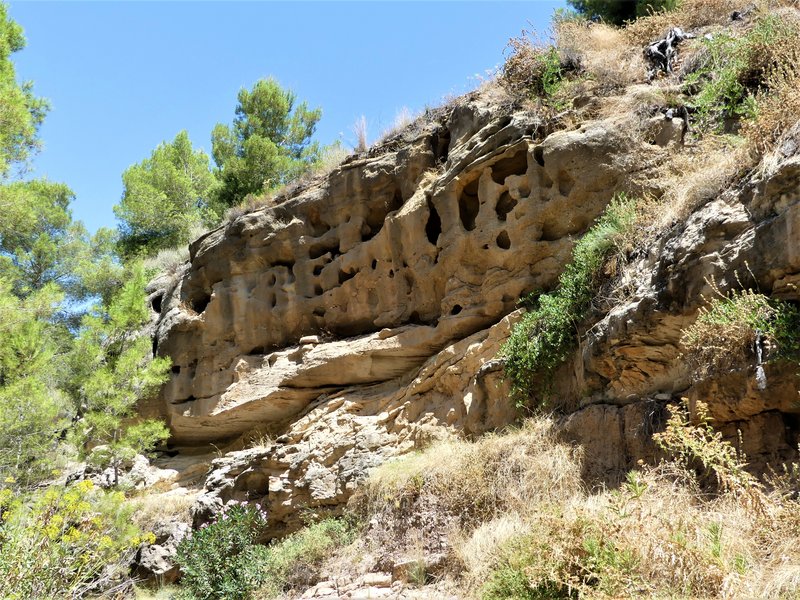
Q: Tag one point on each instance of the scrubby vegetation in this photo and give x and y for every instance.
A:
(695, 525)
(549, 331)
(224, 560)
(65, 542)
(740, 328)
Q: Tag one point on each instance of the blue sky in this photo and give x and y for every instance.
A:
(124, 76)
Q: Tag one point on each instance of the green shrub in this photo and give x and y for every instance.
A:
(532, 70)
(728, 330)
(64, 542)
(221, 560)
(735, 70)
(547, 334)
(294, 561)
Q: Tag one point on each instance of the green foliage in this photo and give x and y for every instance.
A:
(618, 12)
(736, 69)
(268, 144)
(165, 197)
(21, 113)
(729, 328)
(547, 334)
(221, 560)
(294, 560)
(533, 71)
(526, 571)
(32, 412)
(64, 542)
(112, 369)
(41, 244)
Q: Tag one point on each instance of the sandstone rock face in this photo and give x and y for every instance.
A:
(361, 316)
(361, 279)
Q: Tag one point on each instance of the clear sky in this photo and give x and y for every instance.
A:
(124, 76)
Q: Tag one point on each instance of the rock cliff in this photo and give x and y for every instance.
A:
(360, 316)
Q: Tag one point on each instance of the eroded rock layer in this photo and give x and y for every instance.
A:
(361, 316)
(362, 278)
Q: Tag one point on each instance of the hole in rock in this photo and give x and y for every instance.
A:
(505, 204)
(374, 264)
(157, 303)
(155, 347)
(200, 304)
(433, 228)
(503, 240)
(415, 319)
(257, 350)
(345, 276)
(321, 248)
(317, 289)
(516, 164)
(469, 205)
(273, 300)
(318, 270)
(397, 200)
(538, 155)
(456, 309)
(176, 369)
(272, 279)
(391, 273)
(440, 144)
(565, 183)
(316, 224)
(319, 312)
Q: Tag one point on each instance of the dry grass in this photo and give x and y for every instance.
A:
(604, 53)
(689, 15)
(360, 131)
(689, 179)
(497, 474)
(154, 507)
(522, 524)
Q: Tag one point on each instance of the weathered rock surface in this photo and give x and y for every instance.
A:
(156, 562)
(362, 316)
(361, 279)
(631, 364)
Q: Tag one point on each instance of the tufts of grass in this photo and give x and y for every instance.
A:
(548, 333)
(736, 72)
(731, 327)
(697, 525)
(294, 562)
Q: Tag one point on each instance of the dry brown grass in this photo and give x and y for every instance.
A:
(497, 474)
(604, 53)
(691, 178)
(530, 519)
(154, 507)
(689, 15)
